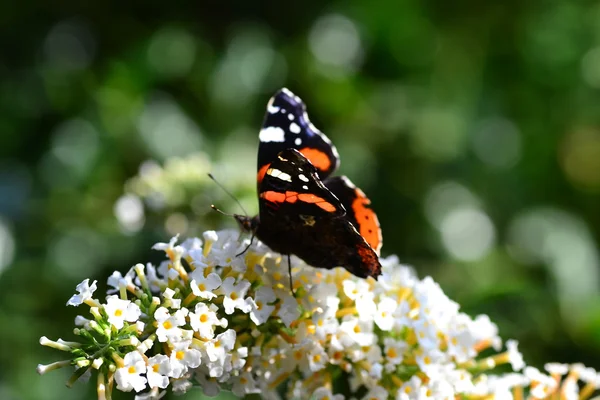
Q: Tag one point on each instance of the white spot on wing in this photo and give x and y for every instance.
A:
(304, 187)
(272, 109)
(276, 173)
(294, 127)
(348, 182)
(298, 141)
(303, 178)
(291, 116)
(272, 134)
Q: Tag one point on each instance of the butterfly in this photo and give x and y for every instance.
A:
(325, 221)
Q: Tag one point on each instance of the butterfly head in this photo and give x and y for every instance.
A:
(248, 224)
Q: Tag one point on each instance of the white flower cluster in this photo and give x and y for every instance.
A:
(209, 317)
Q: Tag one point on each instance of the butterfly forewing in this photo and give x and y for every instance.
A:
(286, 125)
(291, 183)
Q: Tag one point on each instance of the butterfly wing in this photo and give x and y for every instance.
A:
(286, 125)
(291, 186)
(358, 210)
(299, 215)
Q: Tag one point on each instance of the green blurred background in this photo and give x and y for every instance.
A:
(473, 127)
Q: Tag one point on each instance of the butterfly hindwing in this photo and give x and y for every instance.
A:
(286, 125)
(358, 209)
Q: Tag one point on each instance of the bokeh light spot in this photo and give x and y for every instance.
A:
(166, 130)
(580, 157)
(439, 134)
(69, 46)
(171, 52)
(335, 40)
(497, 143)
(564, 244)
(446, 197)
(129, 211)
(7, 245)
(468, 234)
(75, 143)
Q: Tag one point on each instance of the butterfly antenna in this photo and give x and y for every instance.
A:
(230, 195)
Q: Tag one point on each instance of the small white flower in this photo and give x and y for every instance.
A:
(153, 394)
(119, 311)
(117, 281)
(204, 320)
(394, 351)
(203, 287)
(376, 393)
(357, 331)
(168, 325)
(159, 368)
(182, 358)
(384, 317)
(353, 288)
(366, 308)
(556, 368)
(410, 389)
(261, 313)
(86, 292)
(129, 377)
(402, 315)
(426, 333)
(324, 324)
(514, 356)
(244, 384)
(324, 393)
(317, 358)
(217, 348)
(234, 295)
(169, 301)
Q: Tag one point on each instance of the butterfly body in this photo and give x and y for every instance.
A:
(325, 221)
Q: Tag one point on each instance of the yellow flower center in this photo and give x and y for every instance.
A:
(131, 370)
(357, 329)
(234, 296)
(155, 368)
(202, 287)
(203, 318)
(277, 276)
(259, 305)
(391, 353)
(317, 358)
(243, 380)
(118, 312)
(180, 354)
(167, 325)
(298, 355)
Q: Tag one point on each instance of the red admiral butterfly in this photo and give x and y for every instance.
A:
(325, 221)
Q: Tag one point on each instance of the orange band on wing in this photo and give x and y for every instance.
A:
(274, 197)
(261, 173)
(318, 158)
(367, 221)
(292, 197)
(318, 201)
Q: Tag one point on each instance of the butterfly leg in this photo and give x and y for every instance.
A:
(247, 247)
(290, 272)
